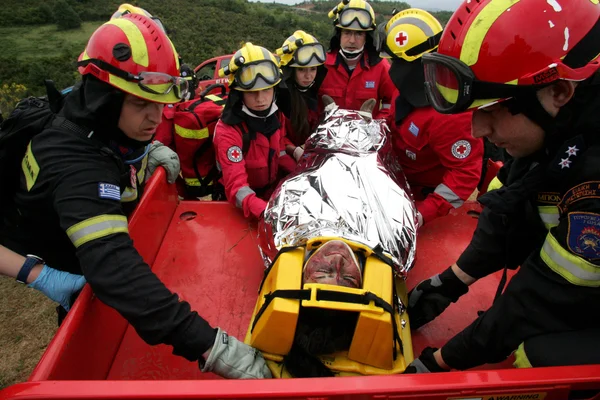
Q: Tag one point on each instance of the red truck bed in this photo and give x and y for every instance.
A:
(207, 253)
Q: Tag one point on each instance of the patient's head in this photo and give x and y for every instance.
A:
(333, 263)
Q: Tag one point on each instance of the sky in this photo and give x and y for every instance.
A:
(426, 4)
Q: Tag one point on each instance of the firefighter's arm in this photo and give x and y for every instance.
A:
(87, 200)
(572, 247)
(228, 150)
(386, 92)
(461, 155)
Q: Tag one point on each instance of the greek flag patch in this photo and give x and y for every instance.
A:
(109, 191)
(370, 85)
(414, 129)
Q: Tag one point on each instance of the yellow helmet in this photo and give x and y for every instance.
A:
(408, 35)
(356, 15)
(252, 68)
(127, 8)
(301, 50)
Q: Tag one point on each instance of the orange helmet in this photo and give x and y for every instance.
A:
(492, 50)
(132, 54)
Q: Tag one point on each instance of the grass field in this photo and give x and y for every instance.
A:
(43, 40)
(27, 323)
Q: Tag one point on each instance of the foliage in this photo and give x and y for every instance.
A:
(10, 96)
(65, 17)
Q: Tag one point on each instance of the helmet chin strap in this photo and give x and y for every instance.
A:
(351, 55)
(304, 88)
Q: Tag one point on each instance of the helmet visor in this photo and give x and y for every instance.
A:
(159, 83)
(310, 55)
(257, 76)
(355, 18)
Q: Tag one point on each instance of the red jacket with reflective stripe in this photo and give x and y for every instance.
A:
(254, 170)
(366, 82)
(437, 152)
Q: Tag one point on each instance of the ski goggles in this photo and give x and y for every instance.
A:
(355, 18)
(157, 83)
(257, 75)
(451, 86)
(305, 54)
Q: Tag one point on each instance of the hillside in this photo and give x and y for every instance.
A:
(33, 48)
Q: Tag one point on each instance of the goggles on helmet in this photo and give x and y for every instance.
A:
(360, 15)
(451, 86)
(151, 82)
(305, 54)
(257, 75)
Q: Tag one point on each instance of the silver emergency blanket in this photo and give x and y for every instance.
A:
(347, 185)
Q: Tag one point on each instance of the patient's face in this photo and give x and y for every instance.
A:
(333, 263)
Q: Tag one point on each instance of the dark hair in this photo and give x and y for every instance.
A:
(319, 332)
(298, 117)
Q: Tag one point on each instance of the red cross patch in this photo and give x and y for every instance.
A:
(401, 38)
(461, 149)
(234, 154)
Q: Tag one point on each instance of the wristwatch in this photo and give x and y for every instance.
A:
(30, 262)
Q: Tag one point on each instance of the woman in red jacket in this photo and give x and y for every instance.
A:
(302, 63)
(249, 138)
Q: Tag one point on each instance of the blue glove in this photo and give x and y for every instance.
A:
(58, 285)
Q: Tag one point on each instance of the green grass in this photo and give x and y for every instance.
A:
(31, 42)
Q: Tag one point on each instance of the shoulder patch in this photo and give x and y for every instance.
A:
(552, 198)
(234, 154)
(584, 234)
(414, 129)
(586, 190)
(461, 149)
(109, 191)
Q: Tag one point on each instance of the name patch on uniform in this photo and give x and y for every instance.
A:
(109, 191)
(584, 234)
(370, 85)
(411, 155)
(414, 129)
(552, 198)
(234, 154)
(461, 149)
(586, 190)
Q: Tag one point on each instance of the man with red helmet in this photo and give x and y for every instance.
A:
(355, 72)
(441, 160)
(73, 180)
(529, 70)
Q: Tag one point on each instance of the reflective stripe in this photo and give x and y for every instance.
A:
(449, 195)
(97, 227)
(137, 44)
(549, 215)
(494, 184)
(521, 360)
(241, 194)
(194, 182)
(191, 133)
(282, 153)
(385, 106)
(571, 267)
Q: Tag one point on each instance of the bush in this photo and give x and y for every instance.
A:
(10, 94)
(65, 17)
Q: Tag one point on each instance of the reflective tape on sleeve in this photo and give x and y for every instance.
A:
(549, 215)
(571, 267)
(97, 227)
(449, 195)
(241, 194)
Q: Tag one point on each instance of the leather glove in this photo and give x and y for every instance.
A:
(432, 296)
(58, 285)
(424, 364)
(233, 359)
(159, 154)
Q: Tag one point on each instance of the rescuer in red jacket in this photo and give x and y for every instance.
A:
(441, 160)
(249, 138)
(355, 72)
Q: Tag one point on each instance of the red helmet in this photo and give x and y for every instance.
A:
(490, 49)
(133, 54)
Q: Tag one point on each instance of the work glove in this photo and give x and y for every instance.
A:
(58, 285)
(432, 296)
(159, 154)
(424, 364)
(233, 359)
(298, 152)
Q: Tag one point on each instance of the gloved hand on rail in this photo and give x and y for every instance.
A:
(432, 296)
(58, 285)
(233, 359)
(159, 154)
